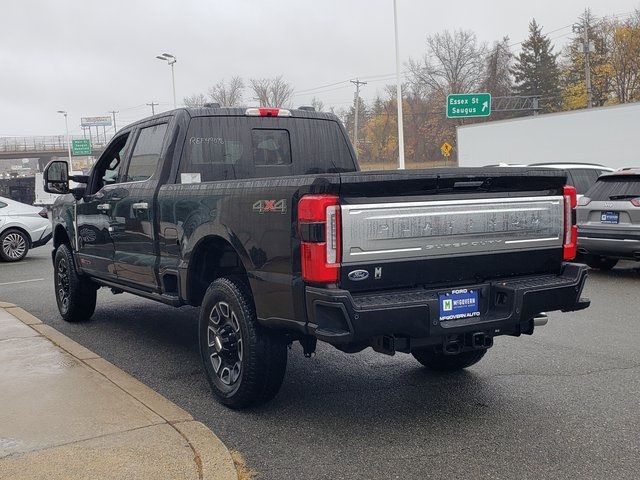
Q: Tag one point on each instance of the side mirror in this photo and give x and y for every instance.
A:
(56, 177)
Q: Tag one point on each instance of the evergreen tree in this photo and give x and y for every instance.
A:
(536, 69)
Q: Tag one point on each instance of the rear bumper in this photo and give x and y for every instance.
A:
(507, 306)
(612, 243)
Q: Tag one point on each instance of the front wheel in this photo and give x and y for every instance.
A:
(439, 362)
(75, 295)
(244, 363)
(14, 245)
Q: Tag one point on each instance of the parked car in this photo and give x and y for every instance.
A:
(608, 218)
(21, 227)
(580, 175)
(261, 217)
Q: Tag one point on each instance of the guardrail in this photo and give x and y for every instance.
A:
(43, 143)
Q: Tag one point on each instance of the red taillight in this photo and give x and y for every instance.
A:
(267, 112)
(319, 230)
(570, 243)
(635, 202)
(43, 213)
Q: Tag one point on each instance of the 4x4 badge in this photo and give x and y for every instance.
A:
(270, 206)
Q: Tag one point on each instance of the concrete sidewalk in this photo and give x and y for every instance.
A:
(66, 413)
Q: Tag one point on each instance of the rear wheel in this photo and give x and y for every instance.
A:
(75, 294)
(245, 363)
(601, 263)
(439, 362)
(14, 245)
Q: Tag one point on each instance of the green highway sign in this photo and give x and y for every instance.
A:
(464, 105)
(81, 147)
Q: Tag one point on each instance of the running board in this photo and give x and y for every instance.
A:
(158, 297)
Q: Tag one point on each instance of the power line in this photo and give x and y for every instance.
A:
(307, 90)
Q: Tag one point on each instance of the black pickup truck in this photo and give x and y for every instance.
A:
(262, 218)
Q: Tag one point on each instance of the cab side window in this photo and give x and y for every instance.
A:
(107, 170)
(146, 153)
(215, 149)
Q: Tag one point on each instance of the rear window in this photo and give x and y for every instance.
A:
(583, 178)
(608, 188)
(271, 147)
(228, 148)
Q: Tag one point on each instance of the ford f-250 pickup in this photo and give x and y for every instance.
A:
(262, 218)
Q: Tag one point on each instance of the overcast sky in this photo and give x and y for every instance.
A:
(90, 57)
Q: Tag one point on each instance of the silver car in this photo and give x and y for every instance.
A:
(21, 227)
(608, 218)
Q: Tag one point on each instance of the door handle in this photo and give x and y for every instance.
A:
(140, 206)
(103, 207)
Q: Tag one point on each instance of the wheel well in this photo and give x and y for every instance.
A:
(60, 236)
(21, 230)
(213, 257)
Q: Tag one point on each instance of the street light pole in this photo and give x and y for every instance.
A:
(173, 84)
(171, 60)
(398, 92)
(66, 126)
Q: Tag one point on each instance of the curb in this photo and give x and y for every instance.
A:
(211, 456)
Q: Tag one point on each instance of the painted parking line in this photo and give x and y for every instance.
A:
(23, 281)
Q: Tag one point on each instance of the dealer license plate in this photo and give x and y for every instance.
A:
(459, 303)
(610, 217)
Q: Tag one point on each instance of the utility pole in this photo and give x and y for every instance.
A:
(587, 48)
(153, 107)
(357, 83)
(113, 113)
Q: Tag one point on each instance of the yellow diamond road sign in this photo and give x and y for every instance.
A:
(446, 148)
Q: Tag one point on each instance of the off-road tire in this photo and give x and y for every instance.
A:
(75, 294)
(601, 263)
(14, 245)
(439, 362)
(262, 353)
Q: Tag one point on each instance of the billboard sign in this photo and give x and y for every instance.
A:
(96, 121)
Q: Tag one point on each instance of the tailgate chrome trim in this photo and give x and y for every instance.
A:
(379, 231)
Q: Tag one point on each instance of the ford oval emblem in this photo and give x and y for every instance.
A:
(358, 275)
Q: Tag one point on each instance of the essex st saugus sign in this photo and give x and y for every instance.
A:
(464, 105)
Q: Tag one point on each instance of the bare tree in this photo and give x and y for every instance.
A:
(317, 104)
(195, 100)
(497, 73)
(227, 94)
(454, 63)
(271, 92)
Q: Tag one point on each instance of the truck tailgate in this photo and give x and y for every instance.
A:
(450, 226)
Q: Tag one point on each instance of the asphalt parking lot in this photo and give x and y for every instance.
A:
(563, 403)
